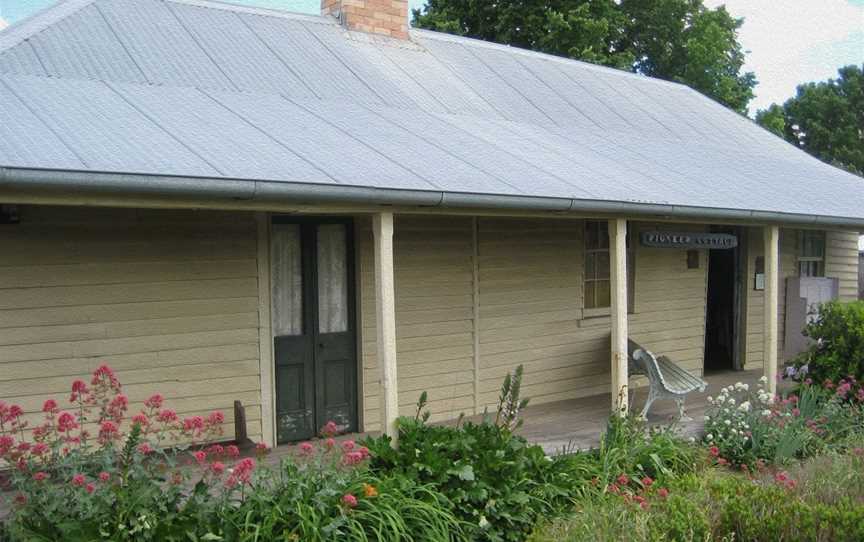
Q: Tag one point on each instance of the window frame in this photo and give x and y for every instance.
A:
(593, 312)
(818, 260)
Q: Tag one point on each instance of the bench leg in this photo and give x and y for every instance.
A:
(682, 416)
(648, 402)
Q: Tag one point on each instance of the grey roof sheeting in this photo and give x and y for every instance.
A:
(278, 105)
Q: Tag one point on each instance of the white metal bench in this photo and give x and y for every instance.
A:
(666, 380)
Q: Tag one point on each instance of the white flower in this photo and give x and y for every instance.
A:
(727, 422)
(710, 400)
(709, 436)
(766, 412)
(744, 407)
(764, 379)
(691, 440)
(707, 418)
(731, 400)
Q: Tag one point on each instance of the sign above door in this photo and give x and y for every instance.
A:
(688, 240)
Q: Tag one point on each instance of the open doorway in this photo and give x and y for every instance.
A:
(723, 310)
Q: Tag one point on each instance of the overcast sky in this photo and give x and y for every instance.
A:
(788, 41)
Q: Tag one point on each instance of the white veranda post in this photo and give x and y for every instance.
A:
(772, 272)
(385, 306)
(618, 276)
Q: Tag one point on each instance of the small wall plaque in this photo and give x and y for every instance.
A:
(688, 240)
(759, 282)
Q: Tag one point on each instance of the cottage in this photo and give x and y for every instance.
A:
(322, 216)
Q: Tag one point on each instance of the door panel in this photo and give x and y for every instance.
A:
(314, 338)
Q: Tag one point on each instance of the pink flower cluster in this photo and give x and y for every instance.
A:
(638, 492)
(100, 403)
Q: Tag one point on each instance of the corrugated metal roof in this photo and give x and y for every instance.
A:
(198, 88)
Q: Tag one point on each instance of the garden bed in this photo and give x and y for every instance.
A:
(768, 468)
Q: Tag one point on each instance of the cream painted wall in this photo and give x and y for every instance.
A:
(841, 261)
(529, 311)
(167, 298)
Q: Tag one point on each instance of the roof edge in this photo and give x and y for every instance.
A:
(28, 27)
(23, 184)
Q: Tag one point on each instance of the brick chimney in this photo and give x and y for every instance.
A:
(385, 17)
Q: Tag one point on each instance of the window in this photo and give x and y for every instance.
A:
(597, 281)
(598, 284)
(811, 253)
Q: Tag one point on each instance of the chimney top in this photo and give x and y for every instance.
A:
(384, 17)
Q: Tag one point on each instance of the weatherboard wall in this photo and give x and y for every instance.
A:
(167, 298)
(841, 262)
(457, 339)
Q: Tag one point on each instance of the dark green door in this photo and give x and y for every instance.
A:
(312, 279)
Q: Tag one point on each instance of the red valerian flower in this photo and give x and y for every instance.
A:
(623, 479)
(306, 448)
(330, 443)
(217, 467)
(104, 476)
(40, 448)
(348, 445)
(330, 429)
(215, 450)
(232, 451)
(108, 431)
(193, 424)
(104, 373)
(7, 442)
(117, 407)
(49, 406)
(141, 419)
(242, 472)
(216, 418)
(200, 456)
(714, 451)
(662, 492)
(154, 401)
(79, 388)
(40, 476)
(90, 488)
(349, 500)
(167, 416)
(352, 458)
(66, 422)
(647, 481)
(144, 448)
(79, 480)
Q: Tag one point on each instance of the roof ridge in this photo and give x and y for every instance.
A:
(25, 29)
(255, 10)
(466, 40)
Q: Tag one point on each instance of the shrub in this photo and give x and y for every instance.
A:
(119, 483)
(630, 447)
(818, 500)
(748, 428)
(498, 484)
(837, 349)
(127, 484)
(323, 491)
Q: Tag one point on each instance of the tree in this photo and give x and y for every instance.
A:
(825, 119)
(678, 40)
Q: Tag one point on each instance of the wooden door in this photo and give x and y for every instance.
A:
(312, 280)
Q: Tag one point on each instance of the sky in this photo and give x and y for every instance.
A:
(788, 41)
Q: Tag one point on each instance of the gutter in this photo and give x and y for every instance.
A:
(23, 185)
